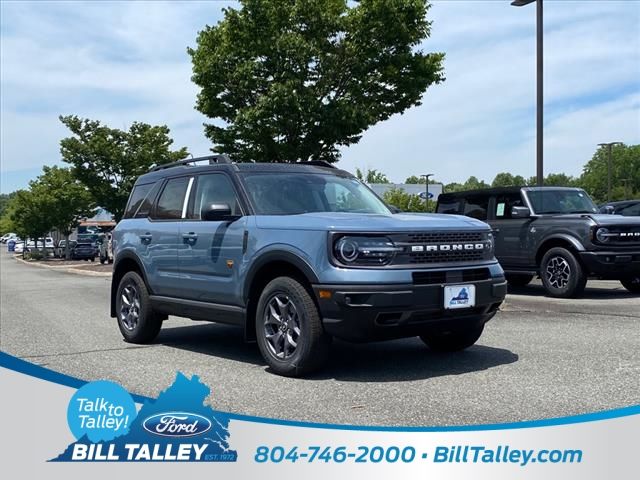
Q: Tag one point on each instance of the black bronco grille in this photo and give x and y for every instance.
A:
(624, 235)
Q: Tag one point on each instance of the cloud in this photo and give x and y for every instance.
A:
(127, 61)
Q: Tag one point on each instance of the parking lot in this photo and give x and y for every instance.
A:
(539, 358)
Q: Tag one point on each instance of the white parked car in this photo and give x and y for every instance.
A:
(19, 247)
(8, 236)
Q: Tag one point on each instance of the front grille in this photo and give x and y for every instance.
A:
(445, 237)
(427, 248)
(626, 235)
(451, 276)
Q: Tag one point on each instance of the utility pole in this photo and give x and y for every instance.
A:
(426, 183)
(609, 146)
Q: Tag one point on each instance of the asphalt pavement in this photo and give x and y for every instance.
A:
(538, 358)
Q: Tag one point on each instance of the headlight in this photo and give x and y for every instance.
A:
(352, 250)
(602, 235)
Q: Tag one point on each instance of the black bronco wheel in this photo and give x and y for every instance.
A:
(452, 341)
(518, 279)
(289, 329)
(136, 320)
(561, 273)
(103, 260)
(632, 284)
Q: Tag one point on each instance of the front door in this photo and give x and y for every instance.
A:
(510, 234)
(210, 253)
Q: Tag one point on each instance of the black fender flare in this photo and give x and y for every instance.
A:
(124, 256)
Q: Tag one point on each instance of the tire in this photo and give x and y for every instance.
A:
(296, 344)
(518, 279)
(103, 260)
(141, 325)
(632, 284)
(93, 259)
(452, 341)
(561, 273)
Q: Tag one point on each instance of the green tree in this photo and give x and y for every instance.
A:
(506, 179)
(472, 183)
(290, 80)
(407, 202)
(625, 173)
(415, 180)
(108, 161)
(559, 180)
(5, 198)
(68, 200)
(30, 215)
(371, 176)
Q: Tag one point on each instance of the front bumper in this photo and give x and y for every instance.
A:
(380, 312)
(611, 264)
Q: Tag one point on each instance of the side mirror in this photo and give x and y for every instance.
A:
(217, 212)
(520, 212)
(609, 210)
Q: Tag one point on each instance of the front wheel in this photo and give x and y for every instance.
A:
(452, 341)
(632, 284)
(561, 273)
(136, 319)
(289, 329)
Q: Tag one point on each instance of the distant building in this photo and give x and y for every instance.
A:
(435, 189)
(102, 221)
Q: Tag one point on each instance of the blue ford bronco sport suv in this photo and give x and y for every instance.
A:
(297, 254)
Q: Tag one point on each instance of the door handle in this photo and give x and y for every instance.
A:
(146, 238)
(190, 237)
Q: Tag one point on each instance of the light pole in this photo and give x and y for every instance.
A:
(609, 146)
(539, 82)
(426, 184)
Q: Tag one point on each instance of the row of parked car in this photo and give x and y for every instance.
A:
(86, 247)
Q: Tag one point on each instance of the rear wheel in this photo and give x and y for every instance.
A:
(136, 319)
(452, 341)
(289, 329)
(518, 279)
(561, 273)
(632, 284)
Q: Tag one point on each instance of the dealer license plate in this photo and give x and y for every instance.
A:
(459, 296)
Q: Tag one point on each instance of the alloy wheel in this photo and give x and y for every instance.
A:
(281, 326)
(558, 272)
(129, 306)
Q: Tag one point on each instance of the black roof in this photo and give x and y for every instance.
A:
(500, 191)
(178, 169)
(620, 203)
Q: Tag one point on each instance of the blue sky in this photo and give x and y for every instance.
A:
(121, 62)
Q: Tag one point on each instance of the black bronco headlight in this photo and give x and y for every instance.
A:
(364, 250)
(602, 235)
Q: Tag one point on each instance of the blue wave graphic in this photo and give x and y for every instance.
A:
(18, 365)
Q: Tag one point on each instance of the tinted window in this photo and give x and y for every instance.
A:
(561, 201)
(630, 211)
(449, 206)
(145, 207)
(171, 199)
(476, 207)
(214, 188)
(504, 204)
(136, 198)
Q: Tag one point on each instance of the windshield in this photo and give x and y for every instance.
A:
(561, 201)
(294, 193)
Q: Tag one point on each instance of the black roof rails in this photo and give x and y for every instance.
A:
(213, 159)
(318, 163)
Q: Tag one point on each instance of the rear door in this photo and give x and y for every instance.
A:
(159, 236)
(210, 252)
(511, 234)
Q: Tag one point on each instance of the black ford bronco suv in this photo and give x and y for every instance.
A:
(556, 233)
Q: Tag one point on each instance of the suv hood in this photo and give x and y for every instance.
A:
(605, 219)
(356, 222)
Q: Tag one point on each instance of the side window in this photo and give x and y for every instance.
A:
(449, 206)
(214, 188)
(630, 211)
(145, 207)
(136, 198)
(504, 204)
(476, 207)
(171, 199)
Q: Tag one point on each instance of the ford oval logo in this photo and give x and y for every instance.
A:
(176, 424)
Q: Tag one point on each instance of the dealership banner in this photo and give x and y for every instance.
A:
(53, 424)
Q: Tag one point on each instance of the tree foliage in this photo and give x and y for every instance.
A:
(625, 173)
(371, 176)
(29, 214)
(506, 179)
(407, 202)
(291, 80)
(108, 161)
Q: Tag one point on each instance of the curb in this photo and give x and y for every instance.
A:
(66, 269)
